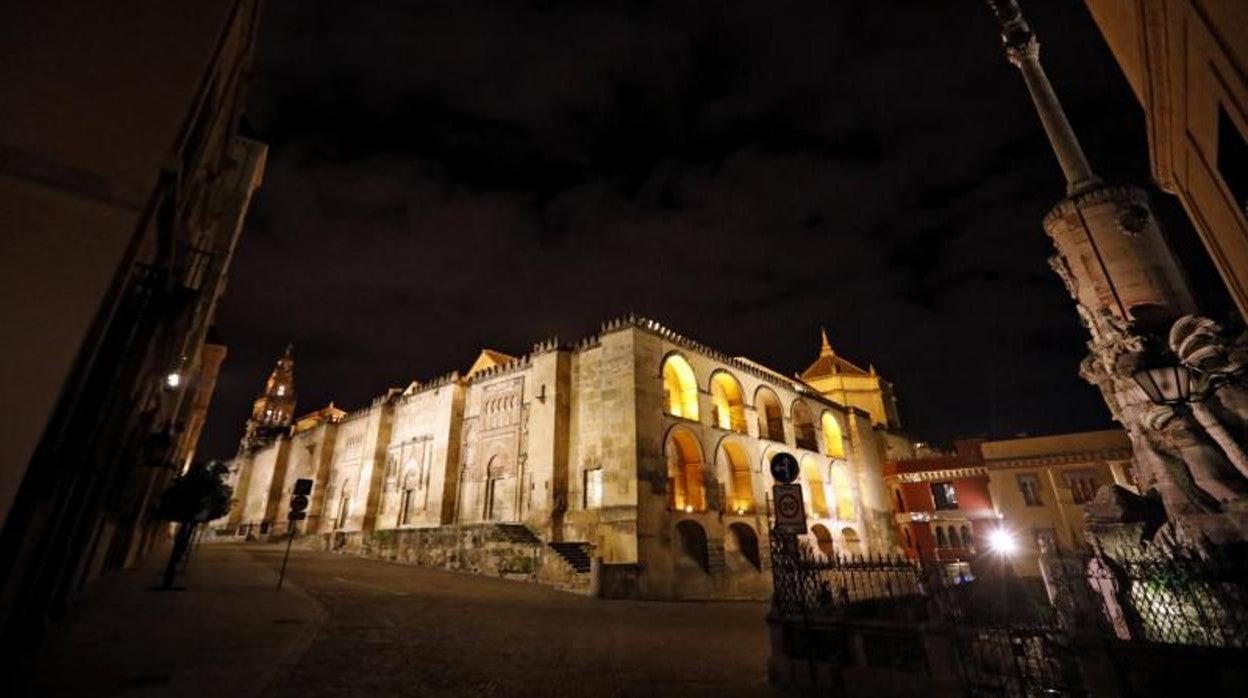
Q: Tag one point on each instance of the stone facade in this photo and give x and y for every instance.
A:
(636, 453)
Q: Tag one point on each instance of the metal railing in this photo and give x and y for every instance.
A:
(1165, 593)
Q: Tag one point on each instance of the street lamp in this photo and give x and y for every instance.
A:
(1164, 383)
(1002, 542)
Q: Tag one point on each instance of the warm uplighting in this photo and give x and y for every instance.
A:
(1002, 542)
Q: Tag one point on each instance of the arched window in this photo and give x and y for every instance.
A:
(852, 543)
(685, 488)
(747, 544)
(833, 443)
(844, 492)
(804, 427)
(693, 543)
(680, 388)
(814, 483)
(967, 539)
(727, 403)
(823, 540)
(770, 415)
(955, 541)
(737, 464)
(901, 503)
(942, 540)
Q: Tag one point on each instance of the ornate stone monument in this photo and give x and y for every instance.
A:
(1173, 379)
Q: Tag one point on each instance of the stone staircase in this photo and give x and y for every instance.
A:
(518, 534)
(575, 554)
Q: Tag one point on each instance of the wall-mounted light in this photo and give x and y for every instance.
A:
(1164, 383)
(173, 380)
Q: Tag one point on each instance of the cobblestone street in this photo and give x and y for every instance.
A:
(401, 630)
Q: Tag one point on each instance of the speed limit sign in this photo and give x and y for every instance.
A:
(790, 510)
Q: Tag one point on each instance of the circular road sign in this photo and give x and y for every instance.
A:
(298, 502)
(789, 506)
(784, 467)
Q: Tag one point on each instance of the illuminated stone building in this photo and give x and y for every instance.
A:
(124, 182)
(1187, 63)
(632, 463)
(947, 507)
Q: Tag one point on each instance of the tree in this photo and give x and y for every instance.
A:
(194, 497)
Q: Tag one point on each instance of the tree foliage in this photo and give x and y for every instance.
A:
(199, 494)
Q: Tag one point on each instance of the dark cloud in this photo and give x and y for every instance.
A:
(449, 175)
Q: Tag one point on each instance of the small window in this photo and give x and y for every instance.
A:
(1233, 159)
(1046, 540)
(593, 488)
(1029, 485)
(1082, 484)
(944, 496)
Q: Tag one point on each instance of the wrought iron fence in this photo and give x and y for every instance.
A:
(1163, 593)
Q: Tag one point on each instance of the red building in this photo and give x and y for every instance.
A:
(942, 505)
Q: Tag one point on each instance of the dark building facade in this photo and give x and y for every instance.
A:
(123, 186)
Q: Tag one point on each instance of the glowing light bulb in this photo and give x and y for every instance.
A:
(173, 380)
(1003, 542)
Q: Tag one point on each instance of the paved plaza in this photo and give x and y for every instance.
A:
(348, 626)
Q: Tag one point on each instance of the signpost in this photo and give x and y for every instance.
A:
(298, 512)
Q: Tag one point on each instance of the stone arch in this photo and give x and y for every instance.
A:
(727, 402)
(853, 544)
(686, 489)
(833, 440)
(843, 490)
(693, 544)
(736, 474)
(814, 484)
(803, 426)
(823, 540)
(746, 541)
(770, 414)
(680, 387)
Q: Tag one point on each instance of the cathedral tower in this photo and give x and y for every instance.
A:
(274, 409)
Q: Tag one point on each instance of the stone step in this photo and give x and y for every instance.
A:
(575, 554)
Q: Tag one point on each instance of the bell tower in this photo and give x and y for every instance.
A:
(273, 411)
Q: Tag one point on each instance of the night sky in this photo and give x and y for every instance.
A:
(445, 176)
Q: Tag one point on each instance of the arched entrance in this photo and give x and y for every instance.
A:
(823, 540)
(693, 543)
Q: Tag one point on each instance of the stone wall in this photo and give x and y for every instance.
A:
(474, 548)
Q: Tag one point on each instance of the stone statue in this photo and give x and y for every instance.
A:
(1217, 365)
